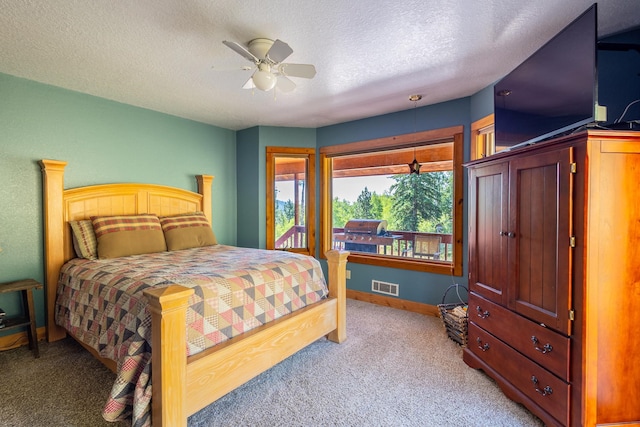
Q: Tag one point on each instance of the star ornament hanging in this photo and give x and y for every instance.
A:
(414, 167)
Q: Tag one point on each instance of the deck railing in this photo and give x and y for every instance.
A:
(295, 237)
(403, 242)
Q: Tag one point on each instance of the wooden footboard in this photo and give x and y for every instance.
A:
(183, 386)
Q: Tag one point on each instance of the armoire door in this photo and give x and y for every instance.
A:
(540, 237)
(488, 203)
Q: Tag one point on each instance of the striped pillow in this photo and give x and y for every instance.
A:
(125, 235)
(186, 231)
(84, 239)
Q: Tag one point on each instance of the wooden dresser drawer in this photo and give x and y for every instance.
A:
(548, 348)
(541, 386)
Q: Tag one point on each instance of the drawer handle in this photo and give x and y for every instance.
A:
(482, 314)
(545, 349)
(483, 347)
(545, 391)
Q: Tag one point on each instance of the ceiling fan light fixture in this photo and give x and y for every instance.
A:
(263, 79)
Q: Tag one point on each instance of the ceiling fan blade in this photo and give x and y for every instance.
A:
(279, 51)
(306, 71)
(285, 84)
(249, 84)
(241, 50)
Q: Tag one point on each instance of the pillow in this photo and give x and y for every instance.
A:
(186, 231)
(84, 239)
(125, 235)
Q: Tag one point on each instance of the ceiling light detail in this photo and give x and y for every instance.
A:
(414, 167)
(263, 79)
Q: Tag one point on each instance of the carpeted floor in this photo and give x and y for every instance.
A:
(395, 369)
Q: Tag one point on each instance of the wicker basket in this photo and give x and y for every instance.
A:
(454, 316)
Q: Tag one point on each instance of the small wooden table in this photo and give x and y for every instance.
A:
(29, 316)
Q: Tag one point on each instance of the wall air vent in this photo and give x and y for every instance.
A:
(385, 288)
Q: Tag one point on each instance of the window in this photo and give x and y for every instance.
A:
(291, 199)
(372, 206)
(483, 141)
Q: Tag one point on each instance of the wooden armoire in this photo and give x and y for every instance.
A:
(554, 276)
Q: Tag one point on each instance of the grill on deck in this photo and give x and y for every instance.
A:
(364, 235)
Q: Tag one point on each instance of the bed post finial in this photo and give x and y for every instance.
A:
(204, 188)
(53, 189)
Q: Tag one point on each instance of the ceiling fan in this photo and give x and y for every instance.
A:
(267, 56)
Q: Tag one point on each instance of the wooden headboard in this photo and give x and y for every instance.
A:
(62, 206)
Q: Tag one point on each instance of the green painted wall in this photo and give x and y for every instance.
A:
(102, 141)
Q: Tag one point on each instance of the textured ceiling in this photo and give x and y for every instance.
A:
(168, 56)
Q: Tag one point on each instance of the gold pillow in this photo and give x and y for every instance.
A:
(125, 235)
(186, 231)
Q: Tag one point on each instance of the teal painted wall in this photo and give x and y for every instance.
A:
(451, 113)
(102, 141)
(416, 286)
(481, 104)
(252, 190)
(249, 191)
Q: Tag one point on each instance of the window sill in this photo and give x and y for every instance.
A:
(427, 266)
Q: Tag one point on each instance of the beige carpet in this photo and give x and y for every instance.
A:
(395, 369)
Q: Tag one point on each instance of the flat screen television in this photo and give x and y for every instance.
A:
(551, 92)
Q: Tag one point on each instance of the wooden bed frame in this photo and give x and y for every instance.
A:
(182, 385)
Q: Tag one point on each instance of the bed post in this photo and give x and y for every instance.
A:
(53, 189)
(338, 289)
(204, 188)
(168, 308)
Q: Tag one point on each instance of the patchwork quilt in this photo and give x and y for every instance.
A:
(236, 289)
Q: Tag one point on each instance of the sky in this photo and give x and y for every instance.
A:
(350, 188)
(343, 188)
